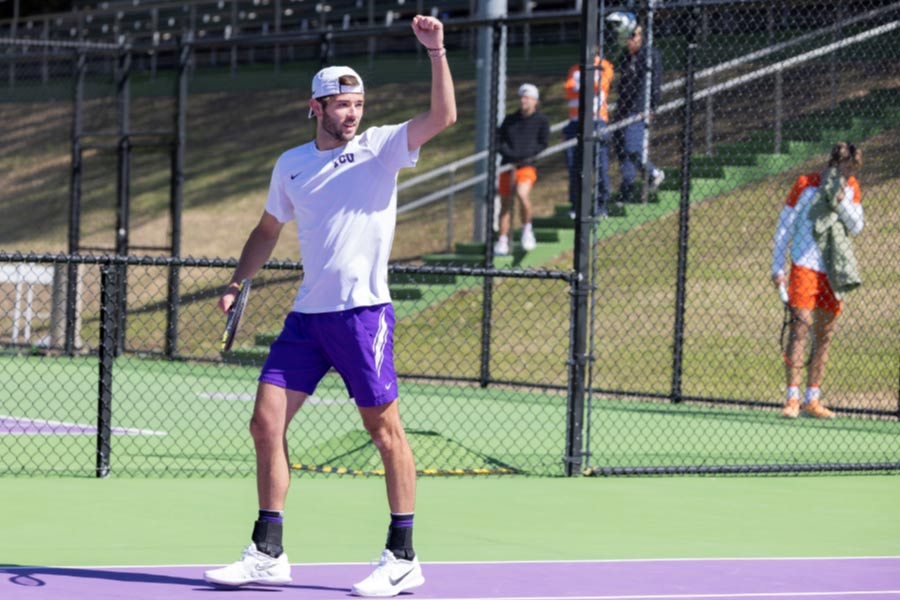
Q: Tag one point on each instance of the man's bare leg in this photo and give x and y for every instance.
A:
(399, 568)
(824, 323)
(384, 425)
(822, 330)
(272, 413)
(504, 245)
(523, 192)
(265, 561)
(799, 337)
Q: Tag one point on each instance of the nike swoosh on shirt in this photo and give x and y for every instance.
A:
(295, 175)
(399, 579)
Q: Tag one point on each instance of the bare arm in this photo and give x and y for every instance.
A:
(442, 113)
(256, 252)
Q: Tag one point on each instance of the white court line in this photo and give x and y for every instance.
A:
(679, 596)
(647, 560)
(250, 397)
(63, 428)
(245, 396)
(492, 562)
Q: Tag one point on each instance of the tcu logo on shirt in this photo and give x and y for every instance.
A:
(343, 159)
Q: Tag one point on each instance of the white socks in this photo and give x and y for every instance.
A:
(812, 393)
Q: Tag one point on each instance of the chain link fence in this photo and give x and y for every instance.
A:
(136, 150)
(687, 324)
(119, 403)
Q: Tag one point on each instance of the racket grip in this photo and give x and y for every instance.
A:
(782, 292)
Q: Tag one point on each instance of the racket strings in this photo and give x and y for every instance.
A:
(234, 316)
(787, 338)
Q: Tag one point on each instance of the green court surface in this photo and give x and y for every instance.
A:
(68, 522)
(192, 420)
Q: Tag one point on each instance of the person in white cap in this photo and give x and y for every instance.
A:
(523, 135)
(341, 189)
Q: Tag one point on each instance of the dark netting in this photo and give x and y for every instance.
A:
(641, 335)
(688, 373)
(168, 401)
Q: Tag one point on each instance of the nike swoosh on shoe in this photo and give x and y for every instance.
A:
(399, 579)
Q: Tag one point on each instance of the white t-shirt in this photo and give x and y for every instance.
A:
(345, 204)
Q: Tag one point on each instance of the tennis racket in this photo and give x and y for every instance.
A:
(234, 315)
(785, 337)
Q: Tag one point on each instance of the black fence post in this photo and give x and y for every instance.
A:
(581, 285)
(123, 188)
(687, 149)
(109, 304)
(75, 203)
(185, 49)
(594, 272)
(490, 190)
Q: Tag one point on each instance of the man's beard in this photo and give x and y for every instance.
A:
(333, 128)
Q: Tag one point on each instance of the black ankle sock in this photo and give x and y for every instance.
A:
(267, 537)
(400, 534)
(274, 516)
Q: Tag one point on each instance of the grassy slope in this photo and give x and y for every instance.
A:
(233, 141)
(237, 126)
(733, 318)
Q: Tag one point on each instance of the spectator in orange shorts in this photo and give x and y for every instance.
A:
(523, 135)
(812, 301)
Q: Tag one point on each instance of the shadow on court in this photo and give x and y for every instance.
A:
(36, 577)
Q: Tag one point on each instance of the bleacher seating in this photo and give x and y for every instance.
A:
(149, 21)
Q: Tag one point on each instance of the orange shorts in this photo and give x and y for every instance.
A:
(810, 289)
(504, 186)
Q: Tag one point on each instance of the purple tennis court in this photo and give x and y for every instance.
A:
(831, 578)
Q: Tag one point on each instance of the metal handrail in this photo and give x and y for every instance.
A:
(667, 87)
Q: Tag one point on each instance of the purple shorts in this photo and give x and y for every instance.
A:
(358, 343)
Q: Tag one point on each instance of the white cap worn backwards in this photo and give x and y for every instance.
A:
(327, 82)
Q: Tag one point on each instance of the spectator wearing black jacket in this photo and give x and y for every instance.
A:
(632, 102)
(523, 135)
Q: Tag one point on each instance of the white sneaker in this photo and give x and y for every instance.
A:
(501, 248)
(656, 180)
(528, 241)
(390, 577)
(254, 567)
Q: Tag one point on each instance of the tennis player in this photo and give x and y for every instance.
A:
(341, 189)
(811, 298)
